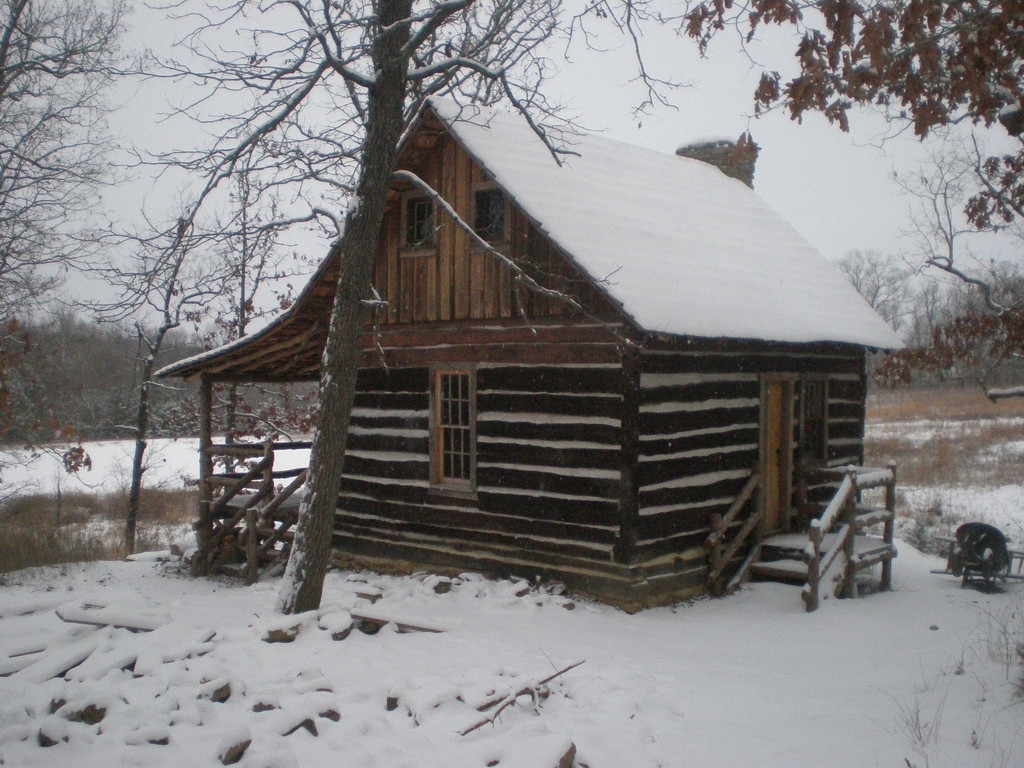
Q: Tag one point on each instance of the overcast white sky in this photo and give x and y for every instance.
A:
(836, 189)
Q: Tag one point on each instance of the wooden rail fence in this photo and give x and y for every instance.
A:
(832, 555)
(720, 554)
(248, 523)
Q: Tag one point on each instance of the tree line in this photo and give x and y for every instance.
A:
(78, 380)
(950, 334)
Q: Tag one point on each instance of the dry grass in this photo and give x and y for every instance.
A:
(44, 530)
(939, 438)
(952, 436)
(950, 403)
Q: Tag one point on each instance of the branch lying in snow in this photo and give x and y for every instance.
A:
(508, 701)
(111, 616)
(519, 275)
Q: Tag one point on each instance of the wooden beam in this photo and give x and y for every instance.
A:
(264, 348)
(629, 453)
(204, 525)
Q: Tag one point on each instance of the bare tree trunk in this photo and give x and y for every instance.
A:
(302, 587)
(141, 430)
(142, 415)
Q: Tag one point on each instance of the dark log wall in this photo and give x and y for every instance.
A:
(700, 430)
(699, 437)
(548, 470)
(555, 467)
(387, 459)
(548, 454)
(846, 401)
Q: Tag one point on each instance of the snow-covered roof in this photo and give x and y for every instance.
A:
(685, 249)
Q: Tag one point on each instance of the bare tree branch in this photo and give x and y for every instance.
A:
(56, 62)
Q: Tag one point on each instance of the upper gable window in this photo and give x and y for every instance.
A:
(490, 214)
(420, 230)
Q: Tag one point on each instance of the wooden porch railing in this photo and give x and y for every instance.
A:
(834, 559)
(251, 496)
(720, 555)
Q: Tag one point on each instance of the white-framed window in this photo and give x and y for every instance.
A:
(453, 429)
(419, 224)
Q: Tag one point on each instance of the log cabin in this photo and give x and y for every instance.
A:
(709, 364)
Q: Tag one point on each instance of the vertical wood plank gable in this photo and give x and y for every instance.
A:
(445, 256)
(461, 260)
(476, 282)
(393, 223)
(460, 282)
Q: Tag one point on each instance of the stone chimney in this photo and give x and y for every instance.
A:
(733, 158)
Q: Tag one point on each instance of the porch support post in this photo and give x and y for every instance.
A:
(850, 544)
(252, 572)
(888, 526)
(204, 525)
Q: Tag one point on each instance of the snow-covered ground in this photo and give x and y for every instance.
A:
(922, 676)
(917, 433)
(1002, 506)
(169, 464)
(998, 505)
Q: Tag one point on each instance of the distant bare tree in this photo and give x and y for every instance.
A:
(976, 325)
(930, 312)
(157, 291)
(72, 384)
(882, 283)
(255, 264)
(56, 59)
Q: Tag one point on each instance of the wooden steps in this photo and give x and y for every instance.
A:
(782, 561)
(249, 526)
(785, 570)
(838, 544)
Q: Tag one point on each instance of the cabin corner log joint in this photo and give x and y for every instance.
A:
(638, 442)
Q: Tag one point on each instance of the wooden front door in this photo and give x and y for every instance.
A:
(776, 452)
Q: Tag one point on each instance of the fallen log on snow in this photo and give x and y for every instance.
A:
(111, 616)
